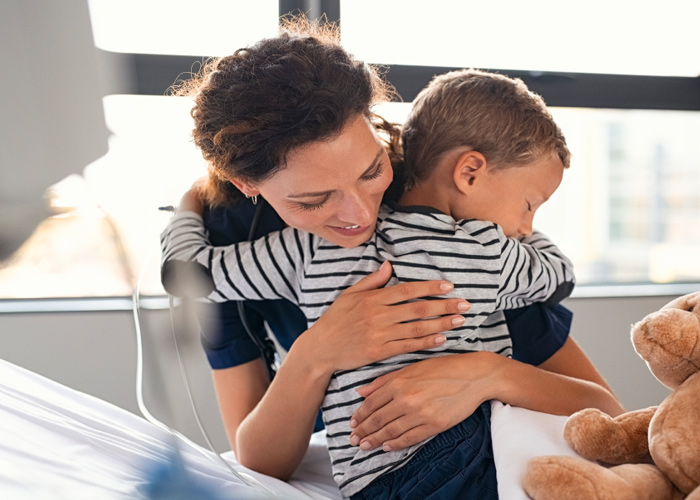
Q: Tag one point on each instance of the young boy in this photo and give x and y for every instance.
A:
(481, 155)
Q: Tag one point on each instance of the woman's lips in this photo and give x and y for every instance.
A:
(349, 230)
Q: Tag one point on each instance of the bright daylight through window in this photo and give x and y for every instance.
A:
(628, 210)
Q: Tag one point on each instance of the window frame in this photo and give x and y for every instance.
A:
(154, 74)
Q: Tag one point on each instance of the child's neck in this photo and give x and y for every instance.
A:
(438, 189)
(426, 194)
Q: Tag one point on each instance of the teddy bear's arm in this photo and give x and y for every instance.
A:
(597, 436)
(572, 478)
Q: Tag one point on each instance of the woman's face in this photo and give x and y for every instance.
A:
(333, 188)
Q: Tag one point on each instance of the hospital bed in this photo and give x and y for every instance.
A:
(58, 443)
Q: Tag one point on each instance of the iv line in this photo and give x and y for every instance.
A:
(244, 478)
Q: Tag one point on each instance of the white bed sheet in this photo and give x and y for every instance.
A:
(58, 443)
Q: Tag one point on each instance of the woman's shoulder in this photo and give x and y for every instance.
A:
(227, 224)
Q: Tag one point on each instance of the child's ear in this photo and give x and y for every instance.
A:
(245, 187)
(468, 169)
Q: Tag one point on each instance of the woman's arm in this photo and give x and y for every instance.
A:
(571, 361)
(428, 397)
(238, 390)
(562, 385)
(270, 429)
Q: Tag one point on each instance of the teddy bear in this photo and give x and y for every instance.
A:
(647, 454)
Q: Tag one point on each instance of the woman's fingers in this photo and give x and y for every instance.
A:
(392, 434)
(404, 292)
(379, 406)
(396, 294)
(368, 406)
(372, 281)
(424, 338)
(416, 329)
(405, 439)
(369, 419)
(421, 309)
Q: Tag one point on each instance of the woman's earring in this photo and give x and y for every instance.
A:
(253, 198)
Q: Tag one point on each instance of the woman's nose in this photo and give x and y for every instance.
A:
(357, 209)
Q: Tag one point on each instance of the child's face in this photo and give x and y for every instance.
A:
(510, 196)
(333, 188)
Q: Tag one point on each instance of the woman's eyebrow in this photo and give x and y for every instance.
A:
(311, 194)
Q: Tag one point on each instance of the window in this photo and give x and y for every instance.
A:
(627, 212)
(208, 28)
(629, 209)
(596, 36)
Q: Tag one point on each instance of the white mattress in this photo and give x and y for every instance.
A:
(58, 443)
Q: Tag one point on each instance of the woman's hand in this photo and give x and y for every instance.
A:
(367, 323)
(421, 400)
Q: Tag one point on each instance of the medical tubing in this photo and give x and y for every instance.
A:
(136, 306)
(264, 344)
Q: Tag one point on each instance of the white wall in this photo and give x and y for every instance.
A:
(51, 100)
(602, 327)
(95, 352)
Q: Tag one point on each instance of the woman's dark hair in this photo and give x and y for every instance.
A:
(251, 109)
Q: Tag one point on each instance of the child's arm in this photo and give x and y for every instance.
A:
(533, 270)
(262, 269)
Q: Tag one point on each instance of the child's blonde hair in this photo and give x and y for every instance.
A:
(493, 114)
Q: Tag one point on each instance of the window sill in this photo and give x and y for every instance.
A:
(79, 304)
(634, 290)
(103, 304)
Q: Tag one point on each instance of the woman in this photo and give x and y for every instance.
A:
(265, 108)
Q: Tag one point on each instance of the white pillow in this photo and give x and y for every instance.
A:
(518, 436)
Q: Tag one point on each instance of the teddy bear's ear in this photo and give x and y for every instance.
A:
(689, 303)
(669, 340)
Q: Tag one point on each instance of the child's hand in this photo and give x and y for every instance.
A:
(191, 201)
